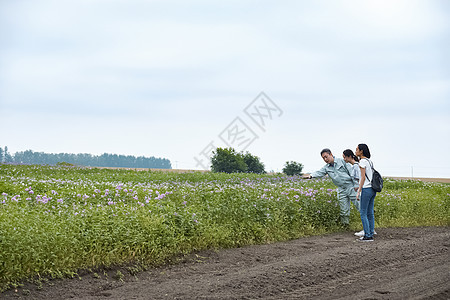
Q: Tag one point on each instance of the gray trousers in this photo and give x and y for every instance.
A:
(345, 196)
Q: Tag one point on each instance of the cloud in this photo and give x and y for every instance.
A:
(102, 69)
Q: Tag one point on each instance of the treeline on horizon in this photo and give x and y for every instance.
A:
(83, 159)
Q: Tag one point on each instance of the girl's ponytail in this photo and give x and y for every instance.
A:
(349, 153)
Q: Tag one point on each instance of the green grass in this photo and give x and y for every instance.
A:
(55, 221)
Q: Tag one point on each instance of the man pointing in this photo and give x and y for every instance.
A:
(339, 172)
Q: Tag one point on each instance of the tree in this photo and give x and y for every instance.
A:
(7, 157)
(292, 168)
(227, 160)
(1, 155)
(85, 159)
(254, 165)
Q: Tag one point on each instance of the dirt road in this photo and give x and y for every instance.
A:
(402, 263)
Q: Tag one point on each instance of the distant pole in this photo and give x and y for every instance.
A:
(412, 172)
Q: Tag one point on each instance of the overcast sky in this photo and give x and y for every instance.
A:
(172, 79)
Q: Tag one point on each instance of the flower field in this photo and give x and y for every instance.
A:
(55, 221)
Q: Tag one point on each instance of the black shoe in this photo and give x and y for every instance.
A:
(365, 239)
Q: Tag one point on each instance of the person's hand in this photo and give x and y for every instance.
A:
(356, 189)
(358, 192)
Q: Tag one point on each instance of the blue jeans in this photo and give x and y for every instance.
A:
(366, 211)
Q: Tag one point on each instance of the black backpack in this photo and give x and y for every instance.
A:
(377, 180)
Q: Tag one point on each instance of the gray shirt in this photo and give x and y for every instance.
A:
(339, 172)
(356, 174)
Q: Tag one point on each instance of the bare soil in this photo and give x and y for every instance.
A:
(402, 263)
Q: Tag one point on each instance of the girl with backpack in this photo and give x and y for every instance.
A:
(352, 159)
(365, 193)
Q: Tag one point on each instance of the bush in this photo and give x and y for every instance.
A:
(292, 168)
(227, 160)
(254, 165)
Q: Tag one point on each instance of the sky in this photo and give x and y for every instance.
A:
(279, 79)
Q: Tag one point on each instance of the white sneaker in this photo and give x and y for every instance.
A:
(361, 233)
(365, 239)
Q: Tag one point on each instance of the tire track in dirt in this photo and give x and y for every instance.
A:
(375, 278)
(285, 279)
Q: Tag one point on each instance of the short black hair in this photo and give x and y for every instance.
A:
(365, 150)
(325, 150)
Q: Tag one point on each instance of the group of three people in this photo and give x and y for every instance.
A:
(352, 174)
